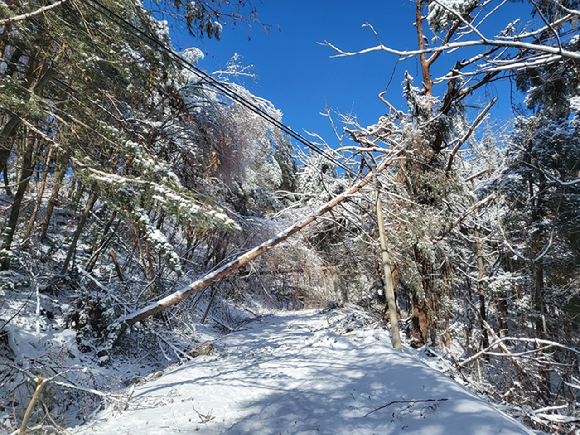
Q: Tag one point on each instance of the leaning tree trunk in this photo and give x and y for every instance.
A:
(25, 175)
(52, 201)
(388, 281)
(99, 247)
(38, 197)
(118, 328)
(73, 244)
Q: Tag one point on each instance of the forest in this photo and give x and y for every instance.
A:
(142, 195)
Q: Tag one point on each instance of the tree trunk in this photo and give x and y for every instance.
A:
(52, 201)
(480, 289)
(6, 181)
(425, 65)
(422, 326)
(419, 321)
(25, 175)
(538, 271)
(73, 244)
(388, 281)
(38, 196)
(117, 266)
(99, 247)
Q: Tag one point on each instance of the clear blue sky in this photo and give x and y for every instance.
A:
(297, 74)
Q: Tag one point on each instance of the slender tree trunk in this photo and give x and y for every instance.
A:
(99, 247)
(38, 197)
(117, 266)
(425, 65)
(52, 201)
(25, 175)
(446, 313)
(149, 259)
(40, 384)
(73, 245)
(214, 292)
(447, 331)
(422, 326)
(480, 289)
(388, 281)
(6, 181)
(141, 255)
(541, 327)
(77, 195)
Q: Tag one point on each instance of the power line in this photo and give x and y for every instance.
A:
(221, 87)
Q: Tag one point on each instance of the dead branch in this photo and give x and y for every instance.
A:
(467, 135)
(405, 401)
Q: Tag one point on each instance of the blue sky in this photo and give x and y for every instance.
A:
(297, 74)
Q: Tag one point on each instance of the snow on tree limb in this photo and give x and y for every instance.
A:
(22, 17)
(451, 46)
(533, 49)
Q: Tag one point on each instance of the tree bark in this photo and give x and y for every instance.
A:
(6, 181)
(419, 321)
(480, 289)
(25, 175)
(52, 202)
(99, 247)
(38, 197)
(117, 266)
(73, 244)
(538, 272)
(425, 64)
(388, 281)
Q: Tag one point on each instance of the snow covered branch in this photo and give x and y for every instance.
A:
(22, 17)
(559, 54)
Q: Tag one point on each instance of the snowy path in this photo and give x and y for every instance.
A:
(295, 374)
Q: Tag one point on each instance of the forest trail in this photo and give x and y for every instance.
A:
(307, 372)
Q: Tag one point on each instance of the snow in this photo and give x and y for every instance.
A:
(303, 373)
(443, 12)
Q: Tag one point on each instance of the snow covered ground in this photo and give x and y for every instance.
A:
(303, 372)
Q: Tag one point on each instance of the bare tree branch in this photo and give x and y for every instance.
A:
(467, 135)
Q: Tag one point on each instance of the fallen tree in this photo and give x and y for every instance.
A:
(117, 329)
